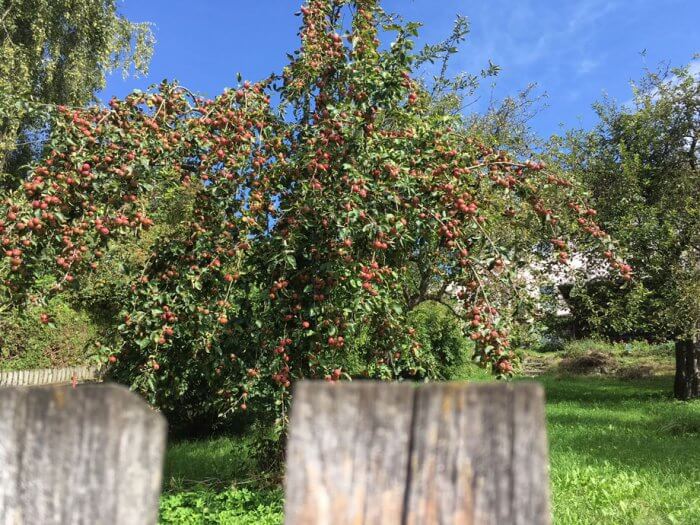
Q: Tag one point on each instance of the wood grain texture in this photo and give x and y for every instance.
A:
(366, 453)
(479, 456)
(348, 453)
(90, 455)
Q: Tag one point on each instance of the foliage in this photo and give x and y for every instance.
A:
(305, 230)
(235, 506)
(641, 166)
(507, 122)
(46, 336)
(601, 307)
(634, 349)
(218, 480)
(58, 52)
(441, 337)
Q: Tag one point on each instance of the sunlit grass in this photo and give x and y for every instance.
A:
(622, 452)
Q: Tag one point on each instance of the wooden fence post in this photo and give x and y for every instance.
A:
(371, 453)
(90, 455)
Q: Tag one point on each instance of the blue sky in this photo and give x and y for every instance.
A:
(575, 50)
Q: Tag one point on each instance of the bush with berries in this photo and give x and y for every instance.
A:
(314, 210)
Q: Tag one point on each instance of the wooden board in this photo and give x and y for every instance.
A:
(348, 453)
(369, 453)
(90, 455)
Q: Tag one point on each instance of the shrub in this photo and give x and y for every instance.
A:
(54, 335)
(235, 506)
(441, 338)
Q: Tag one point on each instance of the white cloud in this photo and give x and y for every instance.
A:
(586, 65)
(694, 68)
(528, 33)
(588, 12)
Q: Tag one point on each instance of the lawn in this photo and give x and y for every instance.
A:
(622, 452)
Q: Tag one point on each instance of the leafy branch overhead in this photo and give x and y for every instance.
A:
(59, 52)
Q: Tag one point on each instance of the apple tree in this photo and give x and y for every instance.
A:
(298, 208)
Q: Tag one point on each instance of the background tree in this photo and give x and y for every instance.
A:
(641, 166)
(58, 52)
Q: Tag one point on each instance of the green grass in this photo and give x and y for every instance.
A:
(622, 452)
(213, 463)
(214, 481)
(633, 358)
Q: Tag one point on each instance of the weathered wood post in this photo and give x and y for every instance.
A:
(90, 455)
(372, 453)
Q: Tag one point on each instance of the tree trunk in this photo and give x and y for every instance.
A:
(687, 383)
